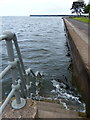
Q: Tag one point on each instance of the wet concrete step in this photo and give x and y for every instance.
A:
(48, 114)
(49, 104)
(28, 111)
(39, 109)
(52, 110)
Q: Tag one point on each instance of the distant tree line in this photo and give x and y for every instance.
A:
(80, 7)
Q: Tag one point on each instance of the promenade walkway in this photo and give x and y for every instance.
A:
(84, 27)
(81, 28)
(82, 42)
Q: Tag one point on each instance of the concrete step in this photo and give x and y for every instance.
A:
(48, 114)
(28, 111)
(49, 104)
(53, 110)
(38, 109)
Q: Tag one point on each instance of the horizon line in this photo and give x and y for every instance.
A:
(53, 15)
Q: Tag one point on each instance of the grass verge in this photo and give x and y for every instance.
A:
(83, 19)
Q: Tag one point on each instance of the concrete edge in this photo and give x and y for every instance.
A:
(79, 53)
(83, 39)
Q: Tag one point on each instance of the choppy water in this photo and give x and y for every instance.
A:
(42, 42)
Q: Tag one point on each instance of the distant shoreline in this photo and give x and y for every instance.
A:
(50, 15)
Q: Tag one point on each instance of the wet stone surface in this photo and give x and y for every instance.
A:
(29, 111)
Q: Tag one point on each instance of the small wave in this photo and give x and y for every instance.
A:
(34, 57)
(22, 30)
(19, 35)
(36, 62)
(39, 50)
(50, 32)
(37, 34)
(33, 41)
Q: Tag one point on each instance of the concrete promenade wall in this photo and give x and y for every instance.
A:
(81, 68)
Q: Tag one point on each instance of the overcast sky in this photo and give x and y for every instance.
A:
(29, 7)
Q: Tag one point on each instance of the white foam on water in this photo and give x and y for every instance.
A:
(53, 91)
(61, 93)
(64, 104)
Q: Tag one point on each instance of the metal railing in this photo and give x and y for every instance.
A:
(20, 87)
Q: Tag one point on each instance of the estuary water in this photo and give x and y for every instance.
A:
(43, 45)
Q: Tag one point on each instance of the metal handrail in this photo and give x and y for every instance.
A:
(24, 82)
(3, 73)
(7, 100)
(17, 84)
(3, 37)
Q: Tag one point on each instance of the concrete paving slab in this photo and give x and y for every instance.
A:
(29, 111)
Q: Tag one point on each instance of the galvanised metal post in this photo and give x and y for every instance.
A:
(21, 66)
(18, 53)
(13, 69)
(23, 84)
(28, 83)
